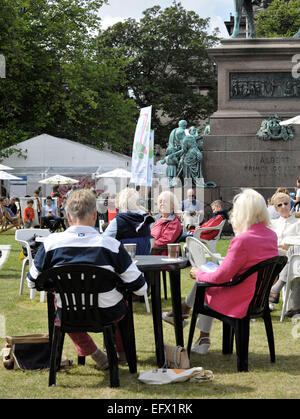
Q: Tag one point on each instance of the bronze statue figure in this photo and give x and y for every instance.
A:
(184, 156)
(172, 162)
(248, 6)
(177, 136)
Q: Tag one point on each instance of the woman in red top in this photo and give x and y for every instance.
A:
(168, 227)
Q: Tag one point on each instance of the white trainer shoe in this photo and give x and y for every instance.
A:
(170, 319)
(201, 348)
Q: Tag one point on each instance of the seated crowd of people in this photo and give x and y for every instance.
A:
(32, 212)
(257, 236)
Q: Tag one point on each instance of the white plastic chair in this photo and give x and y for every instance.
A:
(198, 253)
(293, 272)
(5, 251)
(212, 244)
(23, 236)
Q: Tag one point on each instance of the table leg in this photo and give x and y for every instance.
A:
(153, 278)
(176, 305)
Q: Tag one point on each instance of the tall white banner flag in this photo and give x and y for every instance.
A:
(143, 150)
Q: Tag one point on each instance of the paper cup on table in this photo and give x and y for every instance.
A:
(131, 249)
(173, 250)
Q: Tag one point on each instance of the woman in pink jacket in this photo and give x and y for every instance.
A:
(168, 227)
(254, 242)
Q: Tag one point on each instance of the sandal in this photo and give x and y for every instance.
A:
(170, 319)
(201, 346)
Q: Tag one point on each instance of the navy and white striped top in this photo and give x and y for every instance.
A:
(83, 244)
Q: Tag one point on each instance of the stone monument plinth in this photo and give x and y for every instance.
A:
(257, 79)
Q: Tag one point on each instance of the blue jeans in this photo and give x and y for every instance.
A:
(184, 235)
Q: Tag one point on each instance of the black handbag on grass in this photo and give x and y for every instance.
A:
(28, 352)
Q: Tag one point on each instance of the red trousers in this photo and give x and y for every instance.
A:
(85, 345)
(83, 342)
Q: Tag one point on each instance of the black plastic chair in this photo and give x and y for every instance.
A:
(159, 251)
(78, 286)
(258, 307)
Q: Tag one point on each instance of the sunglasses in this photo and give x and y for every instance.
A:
(283, 203)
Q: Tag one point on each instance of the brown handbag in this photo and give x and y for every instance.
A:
(176, 357)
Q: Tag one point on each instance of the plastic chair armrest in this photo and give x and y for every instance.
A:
(208, 228)
(223, 284)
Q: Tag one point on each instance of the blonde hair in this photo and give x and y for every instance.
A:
(279, 195)
(129, 200)
(81, 203)
(249, 207)
(171, 198)
(282, 189)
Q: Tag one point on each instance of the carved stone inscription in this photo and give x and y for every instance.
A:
(275, 85)
(270, 166)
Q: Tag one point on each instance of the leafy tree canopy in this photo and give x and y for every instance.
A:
(166, 63)
(280, 19)
(56, 81)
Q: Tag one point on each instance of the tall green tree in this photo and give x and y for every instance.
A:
(280, 19)
(56, 82)
(167, 62)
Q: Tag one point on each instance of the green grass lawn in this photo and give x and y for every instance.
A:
(264, 380)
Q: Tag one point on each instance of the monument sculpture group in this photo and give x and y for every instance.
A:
(258, 88)
(184, 156)
(245, 146)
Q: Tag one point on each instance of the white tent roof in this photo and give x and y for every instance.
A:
(116, 173)
(46, 151)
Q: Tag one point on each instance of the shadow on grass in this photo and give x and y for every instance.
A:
(130, 383)
(226, 364)
(7, 276)
(223, 367)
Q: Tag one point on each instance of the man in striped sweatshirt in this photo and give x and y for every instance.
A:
(81, 243)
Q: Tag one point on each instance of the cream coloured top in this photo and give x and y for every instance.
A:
(286, 227)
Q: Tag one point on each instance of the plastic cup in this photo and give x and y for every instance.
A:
(131, 249)
(173, 250)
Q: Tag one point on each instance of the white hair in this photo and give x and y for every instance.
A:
(170, 198)
(128, 200)
(249, 207)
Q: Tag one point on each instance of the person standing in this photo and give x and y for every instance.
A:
(28, 215)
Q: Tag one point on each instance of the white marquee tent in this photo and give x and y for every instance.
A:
(47, 155)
